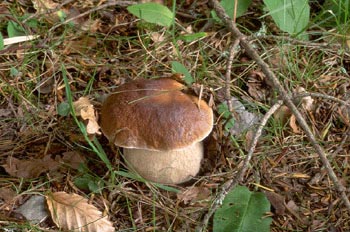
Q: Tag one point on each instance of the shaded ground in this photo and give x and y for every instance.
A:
(109, 47)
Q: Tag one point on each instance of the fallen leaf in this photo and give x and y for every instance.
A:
(5, 112)
(157, 37)
(257, 86)
(73, 159)
(282, 114)
(29, 168)
(73, 212)
(45, 85)
(306, 102)
(277, 202)
(80, 46)
(86, 110)
(193, 194)
(7, 194)
(293, 125)
(42, 6)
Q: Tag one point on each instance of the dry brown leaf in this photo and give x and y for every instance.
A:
(277, 201)
(73, 212)
(42, 6)
(29, 168)
(7, 194)
(85, 109)
(257, 86)
(80, 46)
(282, 114)
(73, 159)
(307, 102)
(194, 194)
(5, 112)
(293, 125)
(157, 37)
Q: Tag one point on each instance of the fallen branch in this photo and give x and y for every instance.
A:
(287, 100)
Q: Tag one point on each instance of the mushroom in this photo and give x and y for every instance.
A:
(160, 128)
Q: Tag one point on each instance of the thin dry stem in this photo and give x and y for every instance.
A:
(228, 74)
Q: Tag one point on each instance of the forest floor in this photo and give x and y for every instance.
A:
(99, 51)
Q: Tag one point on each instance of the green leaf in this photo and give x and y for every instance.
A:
(1, 42)
(153, 13)
(177, 67)
(88, 182)
(14, 29)
(95, 186)
(14, 72)
(82, 182)
(223, 110)
(243, 211)
(229, 7)
(226, 114)
(192, 37)
(291, 16)
(229, 124)
(63, 109)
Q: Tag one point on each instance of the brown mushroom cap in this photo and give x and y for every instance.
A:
(155, 115)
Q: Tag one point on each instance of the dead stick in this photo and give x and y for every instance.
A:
(233, 52)
(283, 94)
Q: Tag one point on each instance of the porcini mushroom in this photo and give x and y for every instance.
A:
(160, 128)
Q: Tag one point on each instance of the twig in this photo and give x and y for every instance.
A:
(236, 34)
(230, 184)
(230, 58)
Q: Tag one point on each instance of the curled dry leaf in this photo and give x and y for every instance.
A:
(73, 212)
(293, 125)
(307, 102)
(85, 109)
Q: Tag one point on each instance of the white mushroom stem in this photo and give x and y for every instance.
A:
(166, 167)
